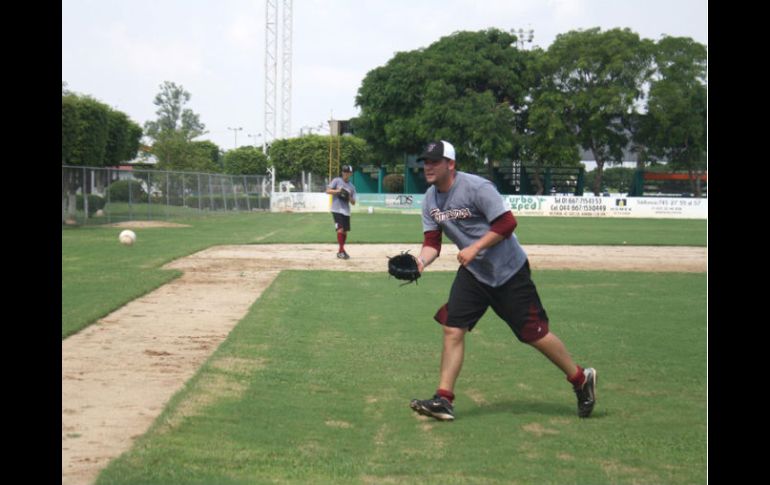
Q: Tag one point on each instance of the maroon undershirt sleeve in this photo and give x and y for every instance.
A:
(504, 225)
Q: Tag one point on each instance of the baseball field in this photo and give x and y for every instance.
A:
(237, 349)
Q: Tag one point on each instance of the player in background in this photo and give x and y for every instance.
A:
(494, 272)
(341, 207)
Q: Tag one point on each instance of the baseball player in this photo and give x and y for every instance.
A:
(343, 194)
(494, 272)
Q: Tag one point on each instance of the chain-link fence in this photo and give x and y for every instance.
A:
(93, 195)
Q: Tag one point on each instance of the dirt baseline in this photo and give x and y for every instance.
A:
(119, 373)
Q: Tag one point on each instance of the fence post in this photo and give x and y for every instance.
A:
(168, 200)
(130, 200)
(224, 196)
(63, 196)
(235, 192)
(211, 194)
(183, 204)
(149, 198)
(85, 196)
(200, 194)
(246, 193)
(109, 183)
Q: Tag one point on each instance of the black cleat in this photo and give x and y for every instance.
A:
(586, 395)
(439, 408)
(343, 255)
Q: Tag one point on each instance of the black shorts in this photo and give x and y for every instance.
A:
(341, 221)
(516, 301)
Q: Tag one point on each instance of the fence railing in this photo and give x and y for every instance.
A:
(94, 195)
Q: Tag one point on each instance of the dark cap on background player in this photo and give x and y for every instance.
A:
(438, 150)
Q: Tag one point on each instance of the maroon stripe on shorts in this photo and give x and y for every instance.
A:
(535, 328)
(441, 315)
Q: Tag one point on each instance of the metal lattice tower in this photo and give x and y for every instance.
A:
(271, 68)
(286, 36)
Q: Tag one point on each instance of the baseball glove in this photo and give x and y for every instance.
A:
(344, 194)
(404, 267)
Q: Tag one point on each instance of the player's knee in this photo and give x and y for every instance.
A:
(454, 333)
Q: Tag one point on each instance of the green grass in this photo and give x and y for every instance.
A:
(319, 393)
(99, 275)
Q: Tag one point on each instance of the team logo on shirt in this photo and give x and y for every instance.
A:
(451, 214)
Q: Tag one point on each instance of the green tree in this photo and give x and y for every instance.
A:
(213, 151)
(173, 133)
(466, 87)
(677, 107)
(175, 153)
(172, 115)
(548, 140)
(92, 138)
(311, 154)
(122, 139)
(94, 135)
(72, 125)
(600, 76)
(614, 179)
(245, 160)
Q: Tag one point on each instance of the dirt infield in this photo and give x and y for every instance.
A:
(118, 374)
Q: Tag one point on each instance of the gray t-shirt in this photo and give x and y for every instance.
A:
(465, 214)
(339, 205)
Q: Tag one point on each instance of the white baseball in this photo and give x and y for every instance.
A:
(127, 237)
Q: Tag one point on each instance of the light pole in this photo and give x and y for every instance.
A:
(256, 137)
(523, 36)
(235, 131)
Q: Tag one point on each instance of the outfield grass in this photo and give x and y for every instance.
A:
(99, 275)
(319, 393)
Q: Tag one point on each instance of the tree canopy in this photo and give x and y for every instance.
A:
(466, 87)
(605, 91)
(173, 117)
(245, 160)
(675, 128)
(95, 135)
(600, 77)
(311, 154)
(173, 133)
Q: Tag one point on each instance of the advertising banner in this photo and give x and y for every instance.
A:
(521, 205)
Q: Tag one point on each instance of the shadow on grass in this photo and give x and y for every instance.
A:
(528, 407)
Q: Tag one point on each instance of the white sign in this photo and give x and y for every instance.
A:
(300, 202)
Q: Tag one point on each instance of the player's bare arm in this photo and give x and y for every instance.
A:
(502, 227)
(468, 254)
(427, 256)
(431, 248)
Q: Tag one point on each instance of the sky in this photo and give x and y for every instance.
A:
(121, 52)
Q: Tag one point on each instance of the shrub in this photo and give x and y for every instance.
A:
(393, 183)
(118, 191)
(95, 202)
